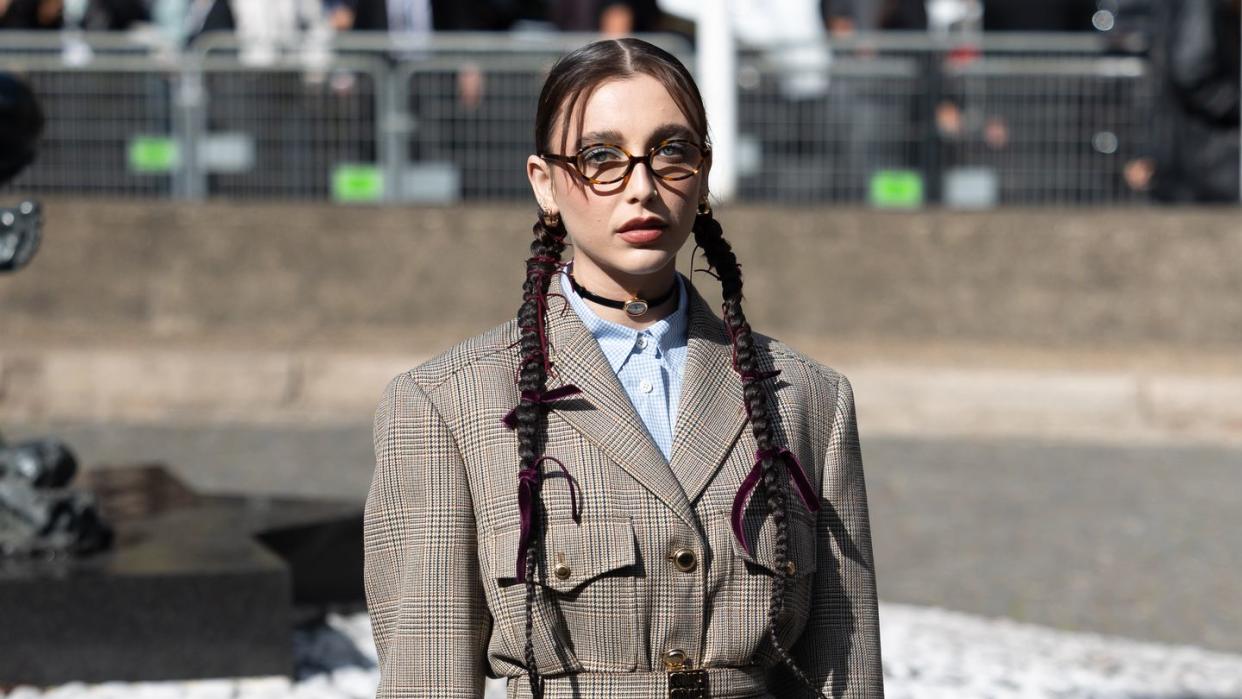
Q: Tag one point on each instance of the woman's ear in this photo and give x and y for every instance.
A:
(540, 176)
(705, 176)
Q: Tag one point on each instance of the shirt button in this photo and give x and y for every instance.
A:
(644, 386)
(642, 342)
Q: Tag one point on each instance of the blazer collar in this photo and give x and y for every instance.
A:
(710, 414)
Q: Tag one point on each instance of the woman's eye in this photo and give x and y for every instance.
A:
(602, 155)
(672, 150)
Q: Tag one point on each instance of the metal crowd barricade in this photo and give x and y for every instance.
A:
(894, 120)
(287, 130)
(906, 119)
(454, 115)
(1052, 130)
(471, 126)
(821, 137)
(111, 126)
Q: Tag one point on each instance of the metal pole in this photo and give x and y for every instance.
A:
(190, 127)
(717, 75)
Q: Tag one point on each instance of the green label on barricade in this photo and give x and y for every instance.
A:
(897, 189)
(153, 154)
(357, 183)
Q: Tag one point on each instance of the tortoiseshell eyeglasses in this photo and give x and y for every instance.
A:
(606, 163)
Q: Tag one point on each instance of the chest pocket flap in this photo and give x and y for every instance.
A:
(571, 554)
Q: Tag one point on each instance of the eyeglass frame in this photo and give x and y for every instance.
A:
(572, 161)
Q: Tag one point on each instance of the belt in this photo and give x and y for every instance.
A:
(709, 683)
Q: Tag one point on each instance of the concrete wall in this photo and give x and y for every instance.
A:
(293, 273)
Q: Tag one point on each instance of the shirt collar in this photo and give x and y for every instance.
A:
(616, 340)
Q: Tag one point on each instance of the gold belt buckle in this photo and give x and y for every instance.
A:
(684, 683)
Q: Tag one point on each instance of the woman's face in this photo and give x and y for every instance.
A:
(636, 113)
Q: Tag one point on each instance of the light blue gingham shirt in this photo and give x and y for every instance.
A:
(647, 362)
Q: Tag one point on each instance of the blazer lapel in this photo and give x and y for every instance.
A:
(611, 422)
(710, 412)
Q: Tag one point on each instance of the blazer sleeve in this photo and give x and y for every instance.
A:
(839, 649)
(424, 593)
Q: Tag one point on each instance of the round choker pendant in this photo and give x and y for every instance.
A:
(636, 307)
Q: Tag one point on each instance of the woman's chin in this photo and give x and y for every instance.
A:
(642, 263)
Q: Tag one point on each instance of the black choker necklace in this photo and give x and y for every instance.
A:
(633, 307)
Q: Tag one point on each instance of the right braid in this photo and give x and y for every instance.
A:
(544, 261)
(720, 257)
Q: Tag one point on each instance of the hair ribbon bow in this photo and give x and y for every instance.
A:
(796, 474)
(529, 480)
(540, 398)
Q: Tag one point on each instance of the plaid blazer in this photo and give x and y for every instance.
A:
(442, 527)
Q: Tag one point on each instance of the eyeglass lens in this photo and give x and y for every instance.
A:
(675, 160)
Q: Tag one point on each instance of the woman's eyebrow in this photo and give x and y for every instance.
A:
(600, 137)
(611, 136)
(666, 131)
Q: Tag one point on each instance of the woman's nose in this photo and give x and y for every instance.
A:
(642, 182)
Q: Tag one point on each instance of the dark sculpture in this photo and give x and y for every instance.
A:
(20, 230)
(40, 516)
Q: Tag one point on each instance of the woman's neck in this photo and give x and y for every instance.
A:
(620, 288)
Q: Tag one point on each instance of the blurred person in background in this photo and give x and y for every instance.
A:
(844, 17)
(1196, 51)
(1038, 16)
(31, 14)
(90, 15)
(611, 17)
(115, 15)
(280, 22)
(263, 26)
(419, 16)
(206, 16)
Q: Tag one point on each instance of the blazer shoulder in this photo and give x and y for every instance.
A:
(489, 352)
(792, 363)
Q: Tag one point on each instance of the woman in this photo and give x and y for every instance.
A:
(566, 500)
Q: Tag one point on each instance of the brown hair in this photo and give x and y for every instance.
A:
(569, 83)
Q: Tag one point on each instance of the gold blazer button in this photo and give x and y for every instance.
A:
(561, 570)
(685, 560)
(675, 659)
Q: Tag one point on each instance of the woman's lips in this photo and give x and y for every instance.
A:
(638, 236)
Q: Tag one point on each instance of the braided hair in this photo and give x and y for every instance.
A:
(569, 82)
(545, 255)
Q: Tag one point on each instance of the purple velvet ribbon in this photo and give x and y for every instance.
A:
(541, 301)
(796, 474)
(529, 481)
(748, 376)
(540, 398)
